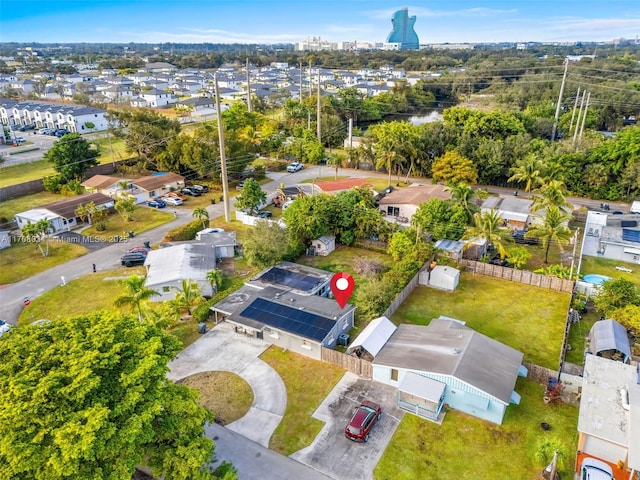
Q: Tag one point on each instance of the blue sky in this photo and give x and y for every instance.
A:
(274, 21)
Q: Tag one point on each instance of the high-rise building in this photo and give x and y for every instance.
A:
(403, 35)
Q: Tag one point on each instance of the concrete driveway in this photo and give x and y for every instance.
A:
(221, 349)
(331, 452)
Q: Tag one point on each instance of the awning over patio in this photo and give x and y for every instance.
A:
(422, 387)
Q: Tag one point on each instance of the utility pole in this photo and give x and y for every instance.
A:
(555, 121)
(351, 133)
(248, 88)
(575, 133)
(318, 113)
(300, 82)
(223, 160)
(575, 106)
(584, 117)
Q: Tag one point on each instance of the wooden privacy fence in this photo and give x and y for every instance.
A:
(402, 296)
(349, 362)
(539, 374)
(521, 276)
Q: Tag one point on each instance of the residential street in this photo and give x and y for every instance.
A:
(12, 296)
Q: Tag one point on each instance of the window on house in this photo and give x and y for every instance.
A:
(273, 334)
(166, 289)
(393, 211)
(330, 339)
(394, 374)
(345, 323)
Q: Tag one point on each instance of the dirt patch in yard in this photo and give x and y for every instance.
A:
(224, 394)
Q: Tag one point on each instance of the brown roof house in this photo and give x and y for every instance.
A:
(62, 214)
(107, 185)
(155, 186)
(400, 205)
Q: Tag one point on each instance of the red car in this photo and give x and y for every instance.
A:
(362, 422)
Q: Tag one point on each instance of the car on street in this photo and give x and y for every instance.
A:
(192, 192)
(135, 257)
(178, 195)
(362, 421)
(520, 237)
(156, 203)
(46, 131)
(265, 214)
(4, 327)
(294, 167)
(175, 201)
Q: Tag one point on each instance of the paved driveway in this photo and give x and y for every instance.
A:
(221, 349)
(331, 452)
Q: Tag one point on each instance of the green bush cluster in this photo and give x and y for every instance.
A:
(185, 232)
(202, 311)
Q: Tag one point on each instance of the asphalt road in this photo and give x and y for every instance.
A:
(41, 143)
(12, 296)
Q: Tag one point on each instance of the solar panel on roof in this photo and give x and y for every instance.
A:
(301, 322)
(291, 279)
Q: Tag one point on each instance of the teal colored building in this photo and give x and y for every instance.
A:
(403, 32)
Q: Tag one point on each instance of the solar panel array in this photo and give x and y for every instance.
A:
(290, 319)
(291, 279)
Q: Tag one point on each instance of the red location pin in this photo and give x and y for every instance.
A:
(342, 285)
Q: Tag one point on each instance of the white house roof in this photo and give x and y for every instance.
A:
(179, 262)
(423, 387)
(36, 214)
(603, 409)
(443, 271)
(326, 239)
(374, 336)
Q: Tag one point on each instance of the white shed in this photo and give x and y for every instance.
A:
(444, 278)
(323, 246)
(373, 337)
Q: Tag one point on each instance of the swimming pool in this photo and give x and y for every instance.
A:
(595, 279)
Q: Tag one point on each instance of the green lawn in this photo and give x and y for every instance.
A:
(605, 266)
(578, 334)
(464, 447)
(9, 208)
(23, 260)
(308, 382)
(527, 318)
(143, 219)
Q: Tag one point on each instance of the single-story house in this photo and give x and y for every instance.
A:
(293, 277)
(167, 267)
(337, 186)
(452, 248)
(613, 236)
(106, 184)
(224, 243)
(447, 362)
(403, 203)
(515, 212)
(154, 186)
(607, 338)
(322, 246)
(62, 214)
(301, 323)
(609, 417)
(441, 277)
(371, 340)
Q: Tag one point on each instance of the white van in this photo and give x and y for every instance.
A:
(635, 207)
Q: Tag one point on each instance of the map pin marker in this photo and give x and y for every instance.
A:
(342, 285)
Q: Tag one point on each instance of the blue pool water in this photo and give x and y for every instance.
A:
(595, 279)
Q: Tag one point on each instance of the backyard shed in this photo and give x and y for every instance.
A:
(444, 278)
(323, 246)
(372, 338)
(608, 339)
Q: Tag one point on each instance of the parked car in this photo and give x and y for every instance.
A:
(175, 201)
(24, 128)
(19, 140)
(46, 131)
(519, 237)
(135, 257)
(240, 186)
(200, 188)
(593, 469)
(61, 132)
(139, 248)
(157, 203)
(265, 214)
(191, 192)
(294, 167)
(4, 327)
(362, 421)
(177, 195)
(497, 260)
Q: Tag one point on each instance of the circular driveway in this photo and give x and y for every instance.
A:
(221, 349)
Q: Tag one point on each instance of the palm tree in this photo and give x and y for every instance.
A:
(387, 159)
(188, 296)
(551, 194)
(136, 294)
(39, 231)
(462, 194)
(527, 171)
(201, 214)
(487, 226)
(554, 229)
(215, 278)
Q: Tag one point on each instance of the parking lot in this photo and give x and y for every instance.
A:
(34, 149)
(331, 452)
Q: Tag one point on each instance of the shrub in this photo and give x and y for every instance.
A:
(184, 232)
(202, 311)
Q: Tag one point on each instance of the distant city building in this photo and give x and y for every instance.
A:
(403, 36)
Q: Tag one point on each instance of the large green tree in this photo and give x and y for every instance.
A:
(454, 168)
(71, 156)
(251, 196)
(617, 294)
(88, 397)
(488, 226)
(265, 245)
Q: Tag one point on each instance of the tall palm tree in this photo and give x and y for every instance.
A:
(554, 229)
(462, 194)
(527, 171)
(136, 294)
(201, 214)
(188, 296)
(487, 226)
(215, 278)
(551, 194)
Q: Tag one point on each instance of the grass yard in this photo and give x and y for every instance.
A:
(537, 255)
(23, 260)
(224, 394)
(143, 219)
(9, 208)
(578, 334)
(464, 447)
(526, 318)
(606, 266)
(307, 382)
